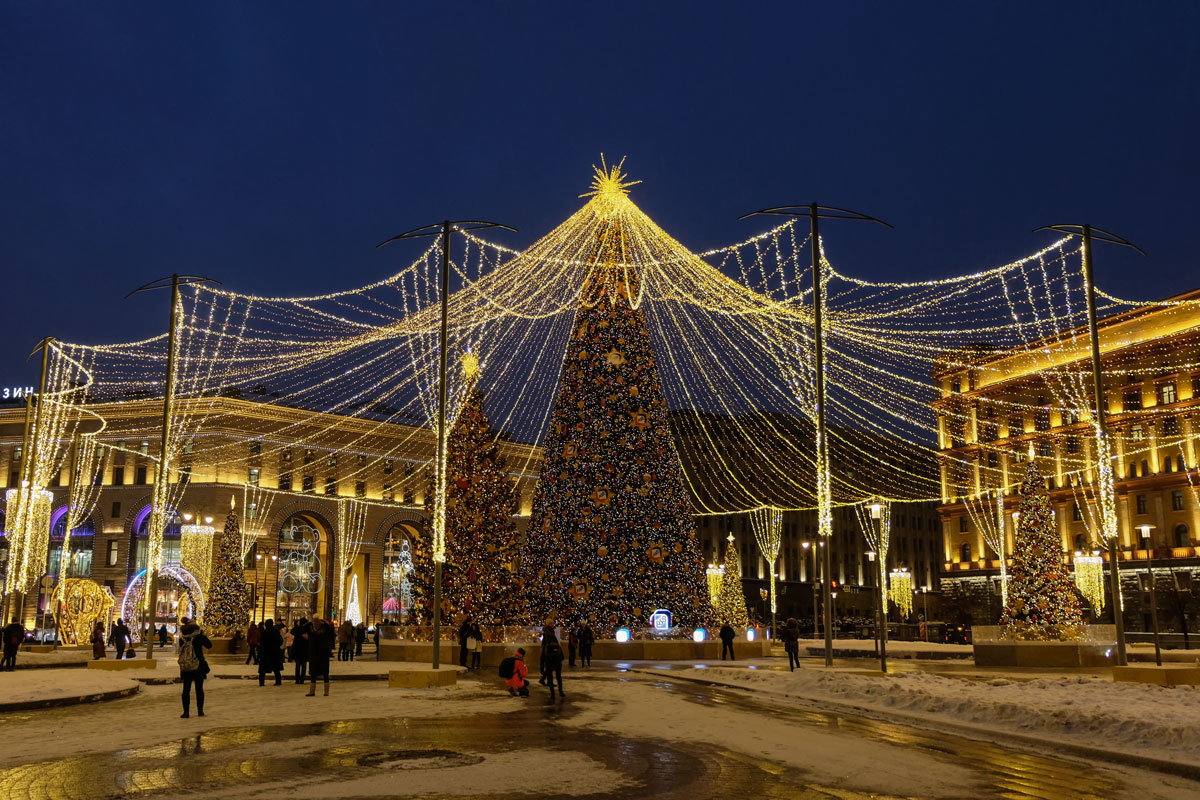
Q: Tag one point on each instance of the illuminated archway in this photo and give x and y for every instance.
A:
(179, 595)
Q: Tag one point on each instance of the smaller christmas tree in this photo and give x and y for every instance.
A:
(1041, 595)
(731, 600)
(227, 609)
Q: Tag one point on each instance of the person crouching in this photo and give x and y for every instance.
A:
(517, 684)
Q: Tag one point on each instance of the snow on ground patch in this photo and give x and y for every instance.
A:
(27, 685)
(828, 757)
(1129, 716)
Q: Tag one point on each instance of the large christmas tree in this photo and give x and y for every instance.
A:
(731, 600)
(479, 578)
(611, 536)
(228, 607)
(1042, 604)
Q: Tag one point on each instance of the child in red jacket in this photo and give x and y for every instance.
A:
(517, 683)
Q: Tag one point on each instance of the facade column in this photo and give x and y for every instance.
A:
(1124, 520)
(1189, 440)
(973, 430)
(1152, 438)
(945, 482)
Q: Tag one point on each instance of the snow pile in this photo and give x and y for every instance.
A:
(28, 685)
(1126, 716)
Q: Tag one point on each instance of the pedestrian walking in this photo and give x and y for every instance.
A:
(162, 635)
(253, 638)
(572, 644)
(464, 633)
(376, 637)
(320, 645)
(360, 638)
(270, 655)
(98, 641)
(727, 635)
(299, 649)
(477, 650)
(120, 637)
(193, 666)
(14, 635)
(513, 670)
(586, 639)
(552, 660)
(345, 640)
(791, 643)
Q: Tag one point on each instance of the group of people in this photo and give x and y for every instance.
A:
(515, 672)
(119, 638)
(308, 645)
(470, 644)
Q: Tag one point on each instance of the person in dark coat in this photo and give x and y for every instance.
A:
(299, 649)
(191, 636)
(727, 636)
(572, 644)
(464, 633)
(320, 645)
(360, 638)
(791, 643)
(552, 660)
(14, 636)
(120, 637)
(162, 635)
(586, 638)
(270, 657)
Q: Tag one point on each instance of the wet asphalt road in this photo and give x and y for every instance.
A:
(222, 760)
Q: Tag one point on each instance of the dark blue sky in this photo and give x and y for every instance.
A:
(272, 145)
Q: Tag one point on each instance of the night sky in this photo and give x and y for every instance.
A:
(272, 145)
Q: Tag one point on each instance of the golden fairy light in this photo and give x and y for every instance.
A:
(1089, 578)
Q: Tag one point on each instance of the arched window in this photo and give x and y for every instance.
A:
(964, 552)
(171, 548)
(80, 564)
(1181, 536)
(300, 571)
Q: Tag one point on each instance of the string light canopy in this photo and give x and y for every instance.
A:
(732, 333)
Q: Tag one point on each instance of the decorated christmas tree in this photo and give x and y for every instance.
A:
(1042, 604)
(611, 536)
(228, 607)
(731, 600)
(479, 578)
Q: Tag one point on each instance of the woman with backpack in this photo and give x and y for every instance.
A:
(552, 660)
(192, 665)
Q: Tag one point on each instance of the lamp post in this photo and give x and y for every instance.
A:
(1148, 543)
(815, 213)
(439, 459)
(261, 557)
(880, 603)
(815, 579)
(924, 592)
(1105, 480)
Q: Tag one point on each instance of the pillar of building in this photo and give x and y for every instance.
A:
(1189, 440)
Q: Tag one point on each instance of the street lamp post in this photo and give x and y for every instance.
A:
(1148, 543)
(1104, 456)
(880, 608)
(815, 579)
(439, 460)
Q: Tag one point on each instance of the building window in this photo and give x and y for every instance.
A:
(1177, 500)
(1137, 432)
(1132, 470)
(409, 497)
(255, 447)
(1131, 401)
(18, 452)
(1181, 536)
(962, 524)
(1170, 426)
(1041, 420)
(144, 449)
(387, 467)
(992, 459)
(116, 509)
(308, 455)
(285, 454)
(1179, 465)
(1076, 512)
(1016, 425)
(1069, 417)
(362, 459)
(141, 476)
(389, 494)
(332, 460)
(1145, 468)
(112, 554)
(1141, 504)
(331, 486)
(252, 511)
(956, 386)
(964, 552)
(253, 477)
(1166, 393)
(1072, 444)
(360, 488)
(1044, 449)
(307, 483)
(1080, 542)
(118, 476)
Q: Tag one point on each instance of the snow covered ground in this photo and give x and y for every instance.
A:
(29, 685)
(1134, 718)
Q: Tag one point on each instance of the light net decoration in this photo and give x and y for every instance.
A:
(196, 551)
(767, 524)
(27, 551)
(351, 524)
(878, 535)
(900, 591)
(1089, 579)
(732, 335)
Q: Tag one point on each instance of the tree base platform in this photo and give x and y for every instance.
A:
(124, 663)
(1166, 675)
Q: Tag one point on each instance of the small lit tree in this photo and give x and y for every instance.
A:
(731, 600)
(228, 607)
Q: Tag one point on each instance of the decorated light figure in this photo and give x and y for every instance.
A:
(1089, 578)
(901, 590)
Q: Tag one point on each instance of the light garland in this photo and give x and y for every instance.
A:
(1089, 579)
(900, 591)
(767, 524)
(196, 551)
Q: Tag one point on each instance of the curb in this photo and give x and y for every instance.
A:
(1099, 754)
(57, 702)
